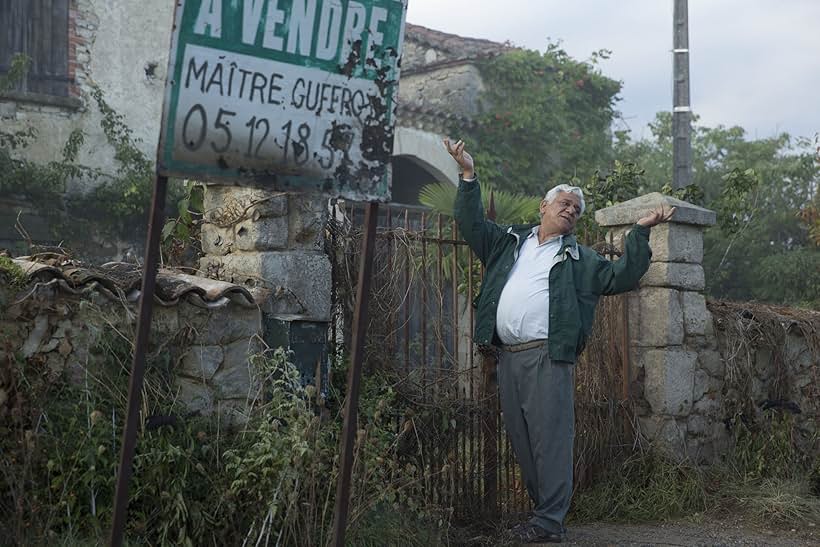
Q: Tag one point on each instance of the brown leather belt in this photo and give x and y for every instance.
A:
(515, 348)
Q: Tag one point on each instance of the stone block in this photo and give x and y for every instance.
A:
(265, 234)
(700, 451)
(274, 205)
(712, 362)
(764, 363)
(233, 411)
(678, 275)
(670, 377)
(36, 336)
(656, 317)
(201, 362)
(220, 326)
(697, 319)
(233, 380)
(709, 405)
(674, 242)
(696, 424)
(300, 281)
(701, 384)
(227, 205)
(650, 426)
(164, 322)
(307, 219)
(798, 355)
(217, 241)
(195, 395)
(666, 434)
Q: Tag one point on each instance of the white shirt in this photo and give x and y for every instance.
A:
(523, 308)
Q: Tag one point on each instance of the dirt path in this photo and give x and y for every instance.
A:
(706, 532)
(710, 534)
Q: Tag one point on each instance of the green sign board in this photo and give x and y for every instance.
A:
(293, 95)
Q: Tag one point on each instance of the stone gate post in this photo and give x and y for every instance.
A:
(272, 243)
(675, 367)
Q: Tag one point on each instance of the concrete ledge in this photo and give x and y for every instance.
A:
(630, 211)
(69, 103)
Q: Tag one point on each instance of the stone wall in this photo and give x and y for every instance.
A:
(206, 350)
(772, 361)
(449, 90)
(683, 390)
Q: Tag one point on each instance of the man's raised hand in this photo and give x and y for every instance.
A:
(660, 214)
(462, 157)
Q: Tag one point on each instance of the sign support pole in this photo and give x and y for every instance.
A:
(354, 375)
(129, 435)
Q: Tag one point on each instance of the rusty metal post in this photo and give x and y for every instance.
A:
(354, 374)
(129, 435)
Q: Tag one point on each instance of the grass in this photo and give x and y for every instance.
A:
(779, 502)
(17, 278)
(645, 487)
(650, 488)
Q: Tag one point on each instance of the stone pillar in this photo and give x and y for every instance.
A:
(272, 243)
(675, 366)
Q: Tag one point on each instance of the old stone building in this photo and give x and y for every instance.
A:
(121, 49)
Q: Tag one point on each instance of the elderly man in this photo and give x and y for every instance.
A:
(537, 304)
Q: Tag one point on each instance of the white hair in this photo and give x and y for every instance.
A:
(553, 193)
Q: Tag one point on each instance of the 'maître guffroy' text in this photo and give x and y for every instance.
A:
(231, 80)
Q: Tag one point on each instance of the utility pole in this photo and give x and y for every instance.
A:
(682, 110)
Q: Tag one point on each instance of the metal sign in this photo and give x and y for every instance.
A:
(295, 95)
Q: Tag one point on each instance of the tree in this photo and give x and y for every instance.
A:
(760, 248)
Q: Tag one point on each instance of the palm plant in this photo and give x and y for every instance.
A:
(510, 208)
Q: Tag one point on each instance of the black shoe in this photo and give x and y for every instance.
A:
(532, 533)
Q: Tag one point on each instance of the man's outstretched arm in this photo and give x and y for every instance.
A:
(476, 230)
(625, 273)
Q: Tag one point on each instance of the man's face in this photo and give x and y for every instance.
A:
(562, 214)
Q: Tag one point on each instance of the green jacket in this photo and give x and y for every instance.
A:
(576, 282)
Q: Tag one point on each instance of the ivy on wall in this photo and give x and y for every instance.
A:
(546, 120)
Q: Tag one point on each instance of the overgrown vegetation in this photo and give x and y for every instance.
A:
(770, 466)
(199, 480)
(765, 476)
(117, 203)
(11, 274)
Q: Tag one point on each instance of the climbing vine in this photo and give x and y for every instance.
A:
(117, 202)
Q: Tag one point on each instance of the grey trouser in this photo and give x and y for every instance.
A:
(537, 401)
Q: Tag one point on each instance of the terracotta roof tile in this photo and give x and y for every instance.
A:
(121, 280)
